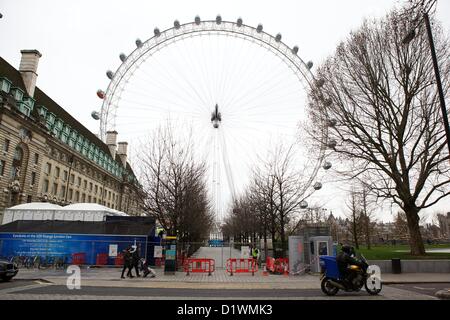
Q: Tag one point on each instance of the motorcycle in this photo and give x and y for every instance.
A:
(363, 275)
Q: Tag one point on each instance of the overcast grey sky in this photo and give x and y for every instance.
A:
(80, 40)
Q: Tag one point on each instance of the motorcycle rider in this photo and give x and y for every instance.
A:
(344, 259)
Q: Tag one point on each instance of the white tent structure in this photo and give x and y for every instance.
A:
(49, 211)
(86, 212)
(30, 211)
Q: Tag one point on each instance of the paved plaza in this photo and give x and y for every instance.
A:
(105, 283)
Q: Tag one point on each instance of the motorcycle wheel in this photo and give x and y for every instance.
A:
(373, 291)
(328, 288)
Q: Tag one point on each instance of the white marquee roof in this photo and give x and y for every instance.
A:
(36, 206)
(90, 207)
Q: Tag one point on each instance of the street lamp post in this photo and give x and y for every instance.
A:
(406, 41)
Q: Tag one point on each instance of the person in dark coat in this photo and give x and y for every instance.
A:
(135, 258)
(127, 262)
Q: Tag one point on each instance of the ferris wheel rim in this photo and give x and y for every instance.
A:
(206, 26)
(177, 33)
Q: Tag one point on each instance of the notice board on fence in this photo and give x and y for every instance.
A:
(158, 252)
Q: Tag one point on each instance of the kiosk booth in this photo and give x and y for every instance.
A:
(306, 247)
(169, 244)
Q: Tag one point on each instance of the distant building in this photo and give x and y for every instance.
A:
(46, 155)
(444, 225)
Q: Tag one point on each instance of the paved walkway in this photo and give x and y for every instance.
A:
(219, 279)
(219, 254)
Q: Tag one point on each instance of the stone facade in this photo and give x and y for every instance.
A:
(47, 155)
(444, 225)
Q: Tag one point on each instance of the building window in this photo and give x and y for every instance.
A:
(83, 197)
(36, 158)
(6, 146)
(17, 163)
(57, 171)
(65, 175)
(48, 168)
(89, 199)
(2, 167)
(79, 182)
(55, 188)
(85, 184)
(94, 200)
(70, 194)
(77, 196)
(90, 186)
(72, 178)
(63, 192)
(96, 189)
(33, 178)
(29, 198)
(45, 186)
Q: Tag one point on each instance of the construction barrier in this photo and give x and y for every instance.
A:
(79, 258)
(199, 266)
(277, 266)
(282, 265)
(234, 265)
(270, 264)
(102, 259)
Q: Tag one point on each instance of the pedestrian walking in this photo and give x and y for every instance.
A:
(135, 258)
(255, 255)
(127, 263)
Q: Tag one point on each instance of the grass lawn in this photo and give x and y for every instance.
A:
(387, 252)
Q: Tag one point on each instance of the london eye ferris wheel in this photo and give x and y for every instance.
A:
(238, 89)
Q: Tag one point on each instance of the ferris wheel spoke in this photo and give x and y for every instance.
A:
(170, 92)
(192, 83)
(198, 77)
(258, 128)
(145, 106)
(260, 92)
(200, 65)
(169, 79)
(231, 77)
(235, 72)
(178, 81)
(227, 65)
(252, 80)
(169, 70)
(239, 144)
(161, 103)
(221, 62)
(271, 92)
(246, 75)
(244, 72)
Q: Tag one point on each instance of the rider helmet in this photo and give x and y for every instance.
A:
(347, 249)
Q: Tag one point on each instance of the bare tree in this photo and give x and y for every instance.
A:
(367, 217)
(174, 186)
(354, 217)
(271, 201)
(384, 114)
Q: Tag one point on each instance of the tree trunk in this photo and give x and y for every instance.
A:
(415, 238)
(282, 234)
(355, 231)
(368, 233)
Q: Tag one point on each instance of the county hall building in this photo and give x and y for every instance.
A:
(46, 155)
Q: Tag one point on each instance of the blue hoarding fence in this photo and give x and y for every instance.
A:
(74, 249)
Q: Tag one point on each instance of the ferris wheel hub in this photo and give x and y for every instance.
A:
(216, 117)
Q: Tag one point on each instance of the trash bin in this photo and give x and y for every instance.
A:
(396, 266)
